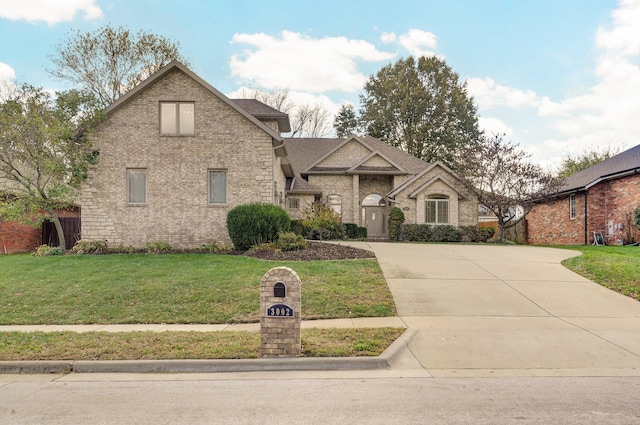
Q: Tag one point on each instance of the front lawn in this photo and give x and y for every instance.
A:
(614, 267)
(185, 345)
(177, 288)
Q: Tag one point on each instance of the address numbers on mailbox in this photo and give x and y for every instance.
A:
(279, 310)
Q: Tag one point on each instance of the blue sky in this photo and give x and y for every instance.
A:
(556, 76)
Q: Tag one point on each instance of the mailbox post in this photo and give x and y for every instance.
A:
(280, 304)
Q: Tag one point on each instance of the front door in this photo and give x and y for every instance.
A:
(374, 220)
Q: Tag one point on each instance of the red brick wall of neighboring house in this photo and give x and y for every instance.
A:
(607, 201)
(16, 237)
(551, 224)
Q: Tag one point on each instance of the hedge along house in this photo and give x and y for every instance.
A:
(362, 178)
(176, 156)
(598, 199)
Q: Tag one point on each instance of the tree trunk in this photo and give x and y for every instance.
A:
(56, 222)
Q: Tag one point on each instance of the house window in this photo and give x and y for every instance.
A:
(437, 209)
(177, 118)
(217, 187)
(572, 206)
(294, 203)
(137, 186)
(335, 203)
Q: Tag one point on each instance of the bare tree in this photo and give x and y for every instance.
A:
(111, 61)
(503, 179)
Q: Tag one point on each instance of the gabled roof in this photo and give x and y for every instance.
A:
(265, 112)
(431, 181)
(304, 153)
(315, 166)
(277, 140)
(419, 175)
(362, 168)
(625, 163)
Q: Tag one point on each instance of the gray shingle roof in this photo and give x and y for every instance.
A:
(264, 112)
(624, 162)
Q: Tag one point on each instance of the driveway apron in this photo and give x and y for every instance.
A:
(482, 310)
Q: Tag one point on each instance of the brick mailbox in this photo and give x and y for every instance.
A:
(280, 306)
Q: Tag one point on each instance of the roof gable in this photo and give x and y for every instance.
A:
(444, 179)
(418, 176)
(376, 163)
(341, 157)
(175, 65)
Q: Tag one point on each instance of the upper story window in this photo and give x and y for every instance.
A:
(137, 186)
(572, 206)
(294, 203)
(437, 209)
(177, 118)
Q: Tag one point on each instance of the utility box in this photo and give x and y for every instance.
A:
(280, 290)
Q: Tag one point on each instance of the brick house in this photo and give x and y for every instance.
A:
(362, 178)
(176, 155)
(598, 199)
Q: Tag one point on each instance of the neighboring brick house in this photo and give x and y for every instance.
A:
(597, 199)
(362, 178)
(176, 156)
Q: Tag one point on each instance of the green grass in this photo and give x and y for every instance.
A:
(614, 267)
(16, 346)
(177, 288)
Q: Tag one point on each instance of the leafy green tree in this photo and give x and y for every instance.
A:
(43, 156)
(346, 121)
(574, 163)
(111, 61)
(504, 180)
(422, 107)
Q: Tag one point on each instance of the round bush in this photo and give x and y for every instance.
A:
(255, 224)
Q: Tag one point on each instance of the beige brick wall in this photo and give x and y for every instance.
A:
(347, 156)
(341, 185)
(177, 209)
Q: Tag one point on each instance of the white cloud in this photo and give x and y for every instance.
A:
(494, 126)
(416, 42)
(49, 11)
(489, 94)
(419, 43)
(7, 80)
(302, 63)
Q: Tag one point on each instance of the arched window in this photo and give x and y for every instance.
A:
(437, 209)
(373, 200)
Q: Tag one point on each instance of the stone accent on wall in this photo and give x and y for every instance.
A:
(280, 313)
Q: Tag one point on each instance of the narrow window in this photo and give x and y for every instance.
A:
(177, 118)
(294, 203)
(572, 206)
(137, 186)
(335, 203)
(437, 209)
(217, 187)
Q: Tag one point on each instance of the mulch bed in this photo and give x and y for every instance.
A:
(314, 251)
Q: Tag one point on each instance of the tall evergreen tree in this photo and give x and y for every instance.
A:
(346, 121)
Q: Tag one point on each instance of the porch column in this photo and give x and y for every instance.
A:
(357, 214)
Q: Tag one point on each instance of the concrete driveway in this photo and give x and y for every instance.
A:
(481, 310)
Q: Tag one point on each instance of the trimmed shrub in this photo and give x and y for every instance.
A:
(361, 233)
(256, 223)
(323, 223)
(351, 230)
(396, 218)
(85, 246)
(476, 234)
(46, 250)
(291, 242)
(431, 233)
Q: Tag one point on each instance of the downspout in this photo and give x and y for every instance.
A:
(586, 232)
